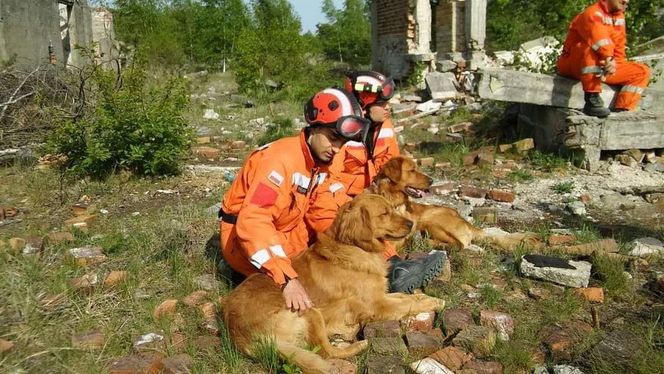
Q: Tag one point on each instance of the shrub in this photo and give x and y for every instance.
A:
(131, 126)
(281, 128)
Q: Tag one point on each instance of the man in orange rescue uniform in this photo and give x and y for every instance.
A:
(594, 51)
(355, 169)
(262, 214)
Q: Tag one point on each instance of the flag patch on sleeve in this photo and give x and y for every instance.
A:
(264, 196)
(275, 178)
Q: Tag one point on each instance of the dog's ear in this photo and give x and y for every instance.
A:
(353, 226)
(392, 169)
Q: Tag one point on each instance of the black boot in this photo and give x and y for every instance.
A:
(407, 275)
(595, 106)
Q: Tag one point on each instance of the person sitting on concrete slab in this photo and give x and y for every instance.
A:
(594, 52)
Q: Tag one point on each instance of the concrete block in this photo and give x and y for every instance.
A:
(564, 272)
(550, 90)
(441, 86)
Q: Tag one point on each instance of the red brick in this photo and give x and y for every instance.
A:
(178, 342)
(592, 294)
(77, 221)
(561, 339)
(485, 159)
(421, 322)
(501, 322)
(115, 277)
(178, 364)
(142, 363)
(452, 357)
(421, 344)
(484, 367)
(470, 159)
(207, 152)
(468, 191)
(456, 320)
(6, 345)
(195, 298)
(460, 127)
(501, 195)
(165, 309)
(382, 329)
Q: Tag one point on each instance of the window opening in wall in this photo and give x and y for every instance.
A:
(65, 9)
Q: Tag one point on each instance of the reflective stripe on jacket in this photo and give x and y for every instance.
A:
(270, 196)
(600, 30)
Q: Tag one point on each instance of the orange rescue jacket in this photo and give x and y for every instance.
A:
(268, 199)
(354, 169)
(603, 32)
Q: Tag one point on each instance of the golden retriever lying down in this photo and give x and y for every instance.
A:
(344, 274)
(399, 180)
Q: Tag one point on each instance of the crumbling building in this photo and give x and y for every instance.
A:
(405, 32)
(34, 32)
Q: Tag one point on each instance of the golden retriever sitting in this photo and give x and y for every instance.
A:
(399, 180)
(344, 274)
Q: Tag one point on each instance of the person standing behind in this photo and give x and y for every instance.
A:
(262, 214)
(354, 170)
(594, 52)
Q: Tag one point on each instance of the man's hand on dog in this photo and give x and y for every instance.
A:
(296, 297)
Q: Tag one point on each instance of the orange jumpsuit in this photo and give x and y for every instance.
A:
(268, 200)
(351, 172)
(594, 35)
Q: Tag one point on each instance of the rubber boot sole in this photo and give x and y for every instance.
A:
(432, 269)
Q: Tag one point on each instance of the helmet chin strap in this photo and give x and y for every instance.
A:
(370, 144)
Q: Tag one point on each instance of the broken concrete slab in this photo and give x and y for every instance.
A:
(556, 129)
(557, 270)
(645, 247)
(441, 86)
(429, 106)
(550, 90)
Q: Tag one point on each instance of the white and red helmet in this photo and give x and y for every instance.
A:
(369, 87)
(337, 109)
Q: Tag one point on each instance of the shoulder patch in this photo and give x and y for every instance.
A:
(264, 196)
(275, 178)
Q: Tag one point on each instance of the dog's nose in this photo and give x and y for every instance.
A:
(409, 223)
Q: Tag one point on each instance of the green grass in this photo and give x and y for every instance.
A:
(520, 176)
(563, 187)
(547, 162)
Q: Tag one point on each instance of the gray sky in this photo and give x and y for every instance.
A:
(309, 11)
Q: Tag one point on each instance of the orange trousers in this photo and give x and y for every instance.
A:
(584, 65)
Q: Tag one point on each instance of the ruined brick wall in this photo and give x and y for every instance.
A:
(390, 31)
(450, 27)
